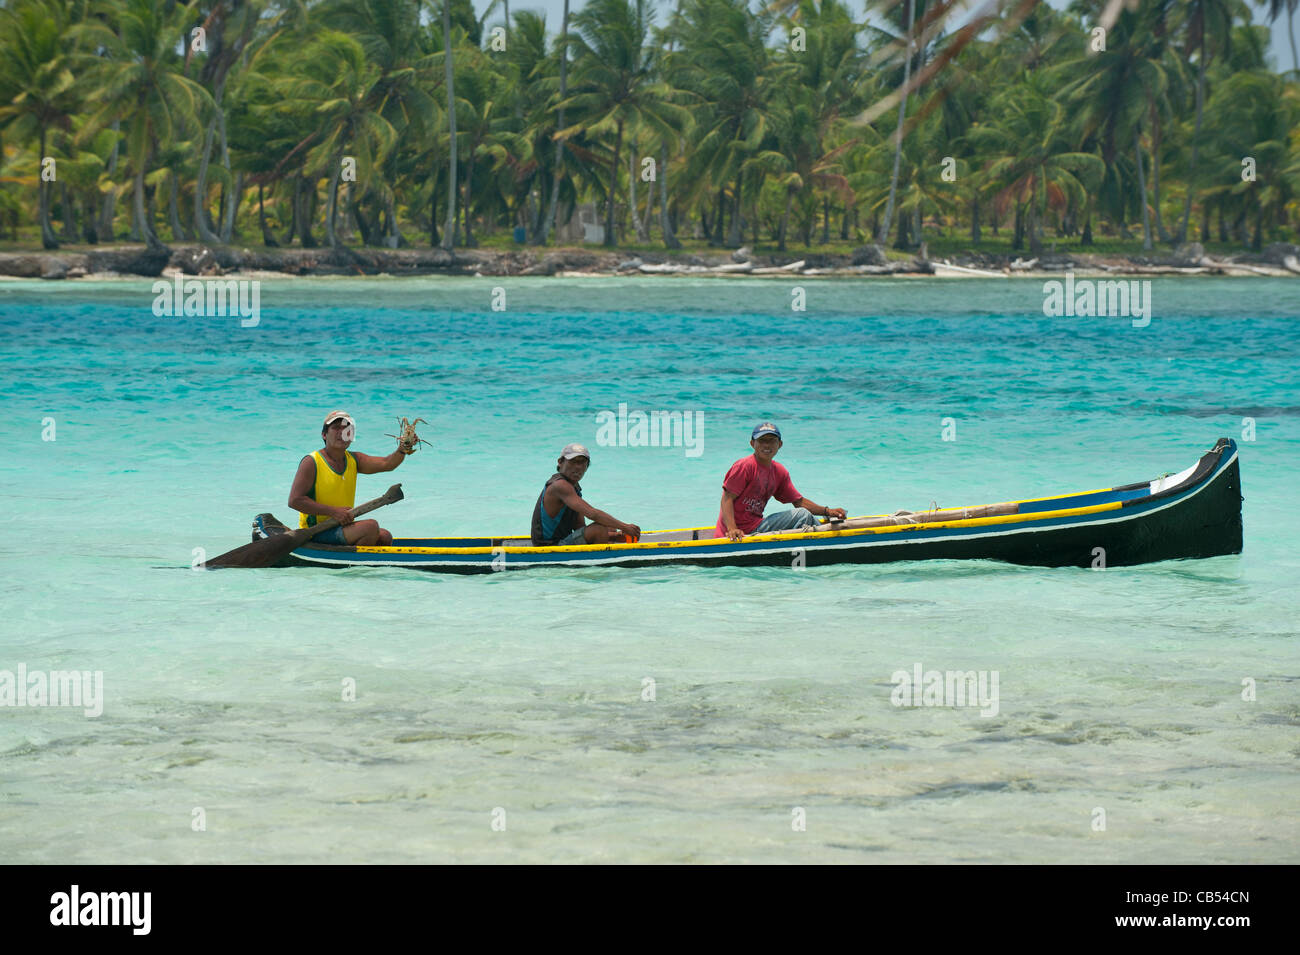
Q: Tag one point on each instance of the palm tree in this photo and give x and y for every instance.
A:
(883, 236)
(1114, 89)
(230, 26)
(1027, 142)
(828, 87)
(336, 84)
(616, 83)
(548, 220)
(1208, 25)
(136, 79)
(449, 232)
(1252, 116)
(727, 67)
(486, 131)
(35, 71)
(389, 33)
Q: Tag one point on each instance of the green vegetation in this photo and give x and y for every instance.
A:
(775, 125)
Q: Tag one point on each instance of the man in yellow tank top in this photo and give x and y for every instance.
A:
(326, 485)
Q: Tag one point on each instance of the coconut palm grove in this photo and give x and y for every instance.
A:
(725, 123)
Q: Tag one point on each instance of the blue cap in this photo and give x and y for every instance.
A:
(766, 427)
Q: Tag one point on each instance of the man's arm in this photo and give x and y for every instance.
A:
(729, 516)
(564, 490)
(299, 501)
(369, 464)
(814, 508)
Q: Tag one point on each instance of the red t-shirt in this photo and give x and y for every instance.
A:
(753, 486)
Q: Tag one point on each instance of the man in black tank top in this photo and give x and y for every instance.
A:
(558, 517)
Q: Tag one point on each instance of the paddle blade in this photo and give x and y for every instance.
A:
(271, 550)
(260, 553)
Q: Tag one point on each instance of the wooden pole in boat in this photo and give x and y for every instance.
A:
(265, 552)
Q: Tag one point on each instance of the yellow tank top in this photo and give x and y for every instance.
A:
(331, 488)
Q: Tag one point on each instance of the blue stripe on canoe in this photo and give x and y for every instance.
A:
(1082, 500)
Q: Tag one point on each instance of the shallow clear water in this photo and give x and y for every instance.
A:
(1119, 690)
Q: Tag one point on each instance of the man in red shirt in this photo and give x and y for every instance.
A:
(752, 481)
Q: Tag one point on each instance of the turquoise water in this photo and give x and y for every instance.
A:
(1119, 690)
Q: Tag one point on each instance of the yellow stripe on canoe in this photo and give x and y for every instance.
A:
(759, 538)
(710, 527)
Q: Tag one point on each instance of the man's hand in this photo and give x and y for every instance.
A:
(735, 533)
(836, 513)
(631, 530)
(342, 515)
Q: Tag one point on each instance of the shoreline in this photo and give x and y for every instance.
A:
(1279, 260)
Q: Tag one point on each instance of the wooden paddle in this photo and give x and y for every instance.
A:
(269, 550)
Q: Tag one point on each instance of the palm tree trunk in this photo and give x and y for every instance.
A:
(638, 225)
(306, 204)
(719, 217)
(469, 179)
(1035, 238)
(548, 220)
(141, 216)
(293, 210)
(268, 238)
(898, 132)
(613, 188)
(173, 206)
(1155, 174)
(394, 238)
(434, 240)
(644, 234)
(975, 219)
(1142, 190)
(665, 225)
(232, 208)
(1196, 142)
(449, 233)
(734, 238)
(105, 227)
(201, 226)
(48, 239)
(331, 236)
(69, 214)
(231, 193)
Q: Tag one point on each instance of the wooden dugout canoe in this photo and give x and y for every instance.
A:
(1192, 514)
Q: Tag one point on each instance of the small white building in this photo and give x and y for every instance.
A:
(584, 226)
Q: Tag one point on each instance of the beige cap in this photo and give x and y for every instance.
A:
(335, 415)
(575, 451)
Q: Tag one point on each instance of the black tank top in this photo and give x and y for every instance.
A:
(568, 519)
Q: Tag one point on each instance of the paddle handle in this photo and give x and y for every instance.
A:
(394, 493)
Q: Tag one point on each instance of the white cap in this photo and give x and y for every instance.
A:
(335, 415)
(575, 451)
